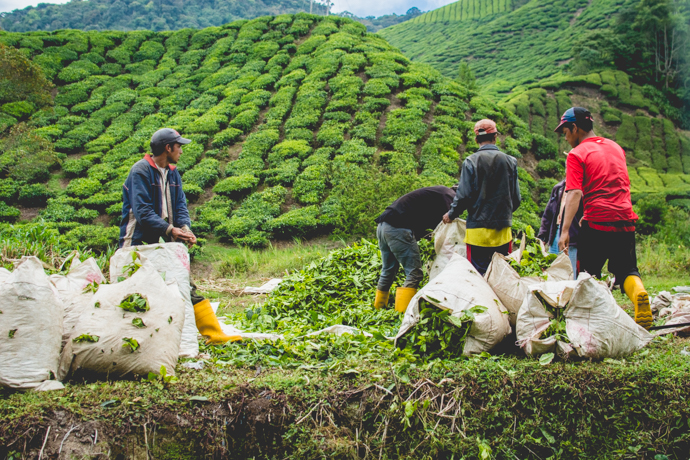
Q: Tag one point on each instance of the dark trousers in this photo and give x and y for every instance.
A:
(595, 247)
(480, 256)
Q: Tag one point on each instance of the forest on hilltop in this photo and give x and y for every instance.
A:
(156, 15)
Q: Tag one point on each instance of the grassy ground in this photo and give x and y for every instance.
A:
(501, 406)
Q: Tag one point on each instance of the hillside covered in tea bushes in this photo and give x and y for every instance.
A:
(301, 125)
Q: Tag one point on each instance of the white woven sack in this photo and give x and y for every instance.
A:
(458, 288)
(595, 325)
(449, 239)
(71, 288)
(159, 340)
(79, 276)
(172, 261)
(30, 327)
(511, 288)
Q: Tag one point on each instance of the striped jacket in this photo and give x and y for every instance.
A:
(141, 204)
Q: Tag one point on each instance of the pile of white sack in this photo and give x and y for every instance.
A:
(54, 326)
(595, 326)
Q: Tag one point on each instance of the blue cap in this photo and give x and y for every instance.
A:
(573, 115)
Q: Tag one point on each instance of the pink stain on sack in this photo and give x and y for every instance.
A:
(183, 256)
(586, 339)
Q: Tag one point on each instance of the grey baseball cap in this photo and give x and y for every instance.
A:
(167, 136)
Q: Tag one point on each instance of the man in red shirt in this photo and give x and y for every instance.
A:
(596, 171)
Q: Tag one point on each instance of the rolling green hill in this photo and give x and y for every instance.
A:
(658, 153)
(301, 125)
(152, 15)
(506, 43)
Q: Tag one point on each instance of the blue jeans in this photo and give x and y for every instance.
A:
(572, 252)
(398, 247)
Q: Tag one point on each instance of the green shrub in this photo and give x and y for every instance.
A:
(310, 185)
(289, 149)
(26, 156)
(544, 149)
(550, 168)
(236, 186)
(355, 151)
(58, 210)
(376, 87)
(93, 237)
(83, 187)
(8, 213)
(652, 211)
(9, 190)
(300, 223)
(78, 70)
(102, 201)
(244, 121)
(34, 195)
(283, 174)
(204, 174)
(19, 109)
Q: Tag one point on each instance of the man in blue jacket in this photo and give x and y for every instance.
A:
(490, 192)
(154, 207)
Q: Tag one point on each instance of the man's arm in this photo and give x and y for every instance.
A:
(181, 218)
(572, 203)
(517, 198)
(462, 195)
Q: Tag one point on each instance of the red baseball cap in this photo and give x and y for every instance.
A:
(485, 126)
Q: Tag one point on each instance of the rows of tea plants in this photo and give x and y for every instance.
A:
(464, 10)
(623, 111)
(280, 110)
(518, 46)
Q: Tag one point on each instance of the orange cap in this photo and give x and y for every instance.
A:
(485, 126)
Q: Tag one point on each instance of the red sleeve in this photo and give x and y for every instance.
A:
(574, 173)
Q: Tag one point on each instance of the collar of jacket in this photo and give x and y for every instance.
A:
(488, 147)
(153, 164)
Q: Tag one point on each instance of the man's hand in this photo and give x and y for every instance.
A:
(564, 242)
(180, 235)
(446, 219)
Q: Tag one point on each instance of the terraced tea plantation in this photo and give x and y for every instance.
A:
(288, 116)
(658, 154)
(508, 43)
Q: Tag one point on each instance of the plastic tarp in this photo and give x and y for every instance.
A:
(157, 331)
(457, 288)
(449, 239)
(172, 261)
(674, 306)
(595, 325)
(30, 328)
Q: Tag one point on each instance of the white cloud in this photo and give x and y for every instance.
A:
(10, 5)
(365, 8)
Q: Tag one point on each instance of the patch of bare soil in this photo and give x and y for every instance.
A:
(234, 151)
(529, 162)
(28, 213)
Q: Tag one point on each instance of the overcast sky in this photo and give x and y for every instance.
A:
(359, 7)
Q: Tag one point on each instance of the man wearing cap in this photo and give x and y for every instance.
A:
(400, 226)
(596, 172)
(490, 192)
(154, 207)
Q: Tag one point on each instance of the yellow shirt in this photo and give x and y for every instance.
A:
(488, 237)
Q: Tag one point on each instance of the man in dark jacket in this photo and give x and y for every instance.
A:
(400, 226)
(153, 203)
(490, 192)
(550, 229)
(154, 207)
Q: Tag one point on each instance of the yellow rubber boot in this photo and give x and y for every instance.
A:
(381, 299)
(634, 288)
(208, 325)
(403, 295)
